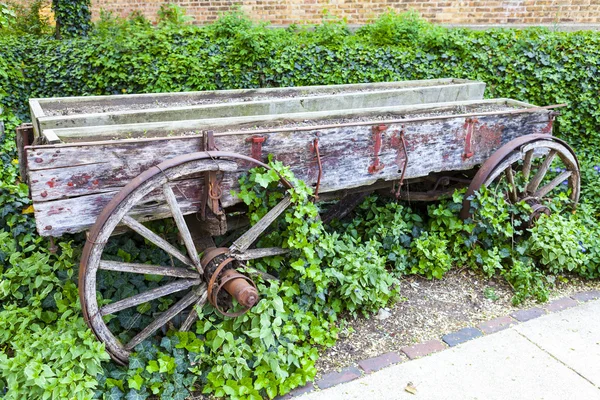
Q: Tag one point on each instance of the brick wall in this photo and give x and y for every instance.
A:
(462, 12)
(361, 11)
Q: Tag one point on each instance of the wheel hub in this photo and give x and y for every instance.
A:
(220, 273)
(537, 210)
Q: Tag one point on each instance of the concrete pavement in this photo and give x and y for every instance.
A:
(556, 356)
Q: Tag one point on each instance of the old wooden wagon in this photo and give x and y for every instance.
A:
(110, 163)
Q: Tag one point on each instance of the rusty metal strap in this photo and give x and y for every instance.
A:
(405, 165)
(470, 128)
(316, 147)
(212, 295)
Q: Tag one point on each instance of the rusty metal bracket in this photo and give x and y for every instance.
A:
(470, 127)
(316, 148)
(403, 140)
(257, 142)
(551, 118)
(211, 193)
(377, 134)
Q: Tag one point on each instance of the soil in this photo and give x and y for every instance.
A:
(428, 310)
(205, 99)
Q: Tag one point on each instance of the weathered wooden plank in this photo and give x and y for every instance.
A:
(58, 103)
(152, 294)
(70, 215)
(148, 269)
(36, 113)
(237, 123)
(24, 136)
(82, 170)
(253, 254)
(184, 232)
(346, 154)
(78, 105)
(51, 137)
(351, 100)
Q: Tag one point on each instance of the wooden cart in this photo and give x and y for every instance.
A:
(107, 170)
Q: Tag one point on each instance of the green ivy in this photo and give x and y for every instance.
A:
(73, 17)
(349, 268)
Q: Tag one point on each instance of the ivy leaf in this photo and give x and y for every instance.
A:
(113, 394)
(278, 304)
(263, 180)
(136, 395)
(135, 362)
(166, 343)
(135, 382)
(182, 394)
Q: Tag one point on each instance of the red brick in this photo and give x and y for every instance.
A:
(496, 324)
(335, 378)
(377, 363)
(526, 315)
(561, 304)
(423, 349)
(586, 296)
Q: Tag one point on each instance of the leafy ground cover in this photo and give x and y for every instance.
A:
(351, 268)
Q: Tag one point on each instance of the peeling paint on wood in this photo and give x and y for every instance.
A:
(85, 177)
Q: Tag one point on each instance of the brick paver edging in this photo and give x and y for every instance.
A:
(452, 339)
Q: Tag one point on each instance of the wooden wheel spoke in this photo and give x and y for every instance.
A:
(185, 285)
(157, 240)
(148, 269)
(544, 190)
(510, 177)
(246, 240)
(153, 294)
(541, 172)
(193, 315)
(253, 254)
(165, 317)
(181, 225)
(527, 164)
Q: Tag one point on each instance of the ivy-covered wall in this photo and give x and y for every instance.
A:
(72, 17)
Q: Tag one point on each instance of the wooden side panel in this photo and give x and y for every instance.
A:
(60, 103)
(71, 184)
(356, 100)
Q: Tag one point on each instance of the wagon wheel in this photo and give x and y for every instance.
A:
(532, 168)
(186, 284)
